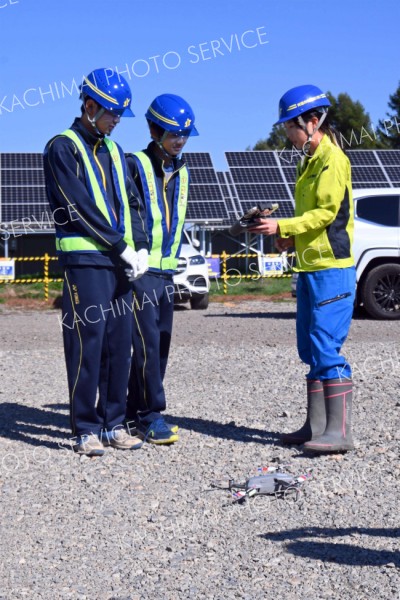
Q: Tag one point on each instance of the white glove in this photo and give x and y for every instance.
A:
(130, 256)
(143, 261)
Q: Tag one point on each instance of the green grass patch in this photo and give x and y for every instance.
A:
(28, 290)
(270, 286)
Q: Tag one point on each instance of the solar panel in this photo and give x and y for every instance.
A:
(24, 195)
(228, 177)
(290, 174)
(374, 168)
(259, 158)
(389, 157)
(370, 184)
(16, 160)
(394, 174)
(229, 195)
(256, 192)
(362, 157)
(209, 195)
(368, 175)
(22, 192)
(206, 211)
(32, 216)
(285, 210)
(256, 175)
(197, 160)
(206, 201)
(287, 158)
(223, 184)
(20, 177)
(200, 176)
(253, 176)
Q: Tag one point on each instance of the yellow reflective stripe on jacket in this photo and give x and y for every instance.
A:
(78, 244)
(116, 159)
(98, 195)
(182, 198)
(168, 264)
(157, 220)
(155, 216)
(120, 188)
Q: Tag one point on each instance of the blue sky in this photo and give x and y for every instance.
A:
(230, 59)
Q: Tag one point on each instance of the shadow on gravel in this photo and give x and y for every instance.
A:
(345, 554)
(27, 424)
(227, 431)
(256, 315)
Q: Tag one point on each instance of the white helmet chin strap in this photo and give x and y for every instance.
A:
(161, 147)
(93, 120)
(303, 125)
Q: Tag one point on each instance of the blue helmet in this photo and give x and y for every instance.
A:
(299, 100)
(109, 89)
(173, 114)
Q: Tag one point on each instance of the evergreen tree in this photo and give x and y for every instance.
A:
(389, 129)
(276, 140)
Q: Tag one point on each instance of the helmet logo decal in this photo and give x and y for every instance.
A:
(187, 123)
(126, 103)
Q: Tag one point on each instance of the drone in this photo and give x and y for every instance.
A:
(273, 480)
(264, 209)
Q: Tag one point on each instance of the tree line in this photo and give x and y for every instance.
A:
(352, 124)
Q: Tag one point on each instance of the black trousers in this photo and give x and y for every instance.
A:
(97, 333)
(153, 309)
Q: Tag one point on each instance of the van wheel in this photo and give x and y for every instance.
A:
(380, 292)
(199, 302)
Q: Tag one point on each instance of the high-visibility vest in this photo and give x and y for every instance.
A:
(164, 242)
(74, 243)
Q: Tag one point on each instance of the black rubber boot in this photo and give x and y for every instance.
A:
(337, 435)
(316, 416)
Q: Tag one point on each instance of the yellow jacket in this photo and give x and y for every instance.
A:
(324, 215)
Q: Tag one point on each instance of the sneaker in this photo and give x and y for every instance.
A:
(119, 438)
(133, 426)
(157, 432)
(173, 428)
(89, 445)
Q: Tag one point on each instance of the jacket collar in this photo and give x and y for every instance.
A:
(322, 147)
(324, 144)
(88, 137)
(158, 162)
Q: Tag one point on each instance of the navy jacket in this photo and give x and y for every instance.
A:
(158, 172)
(66, 178)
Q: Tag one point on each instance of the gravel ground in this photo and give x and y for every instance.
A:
(142, 524)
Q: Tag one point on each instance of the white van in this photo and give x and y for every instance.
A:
(377, 251)
(191, 279)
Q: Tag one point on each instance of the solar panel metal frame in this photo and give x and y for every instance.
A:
(23, 201)
(231, 200)
(265, 162)
(371, 168)
(201, 168)
(361, 159)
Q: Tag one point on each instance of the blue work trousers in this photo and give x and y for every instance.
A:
(325, 302)
(152, 326)
(97, 332)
